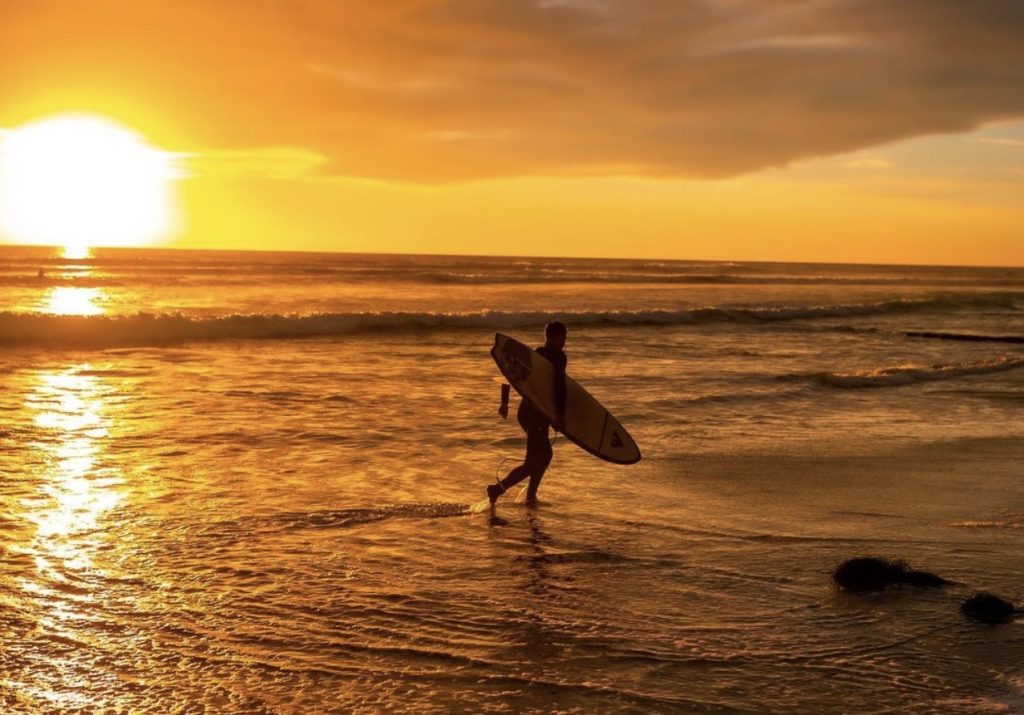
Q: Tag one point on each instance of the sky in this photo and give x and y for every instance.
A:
(813, 130)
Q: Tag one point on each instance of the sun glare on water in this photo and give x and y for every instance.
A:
(64, 300)
(80, 180)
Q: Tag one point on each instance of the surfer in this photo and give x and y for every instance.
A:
(534, 422)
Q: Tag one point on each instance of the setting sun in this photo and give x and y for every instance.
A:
(80, 180)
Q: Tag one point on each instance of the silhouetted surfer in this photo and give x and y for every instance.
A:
(534, 422)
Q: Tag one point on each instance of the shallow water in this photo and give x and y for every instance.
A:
(255, 496)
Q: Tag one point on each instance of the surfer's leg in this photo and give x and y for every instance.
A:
(515, 476)
(511, 479)
(539, 457)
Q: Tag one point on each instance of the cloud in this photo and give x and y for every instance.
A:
(441, 90)
(271, 162)
(868, 162)
(1015, 143)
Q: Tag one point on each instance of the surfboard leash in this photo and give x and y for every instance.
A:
(497, 470)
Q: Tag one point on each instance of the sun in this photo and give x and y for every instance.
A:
(79, 180)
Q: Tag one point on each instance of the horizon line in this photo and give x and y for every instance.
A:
(213, 249)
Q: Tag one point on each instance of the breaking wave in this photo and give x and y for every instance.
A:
(611, 277)
(316, 274)
(910, 374)
(157, 328)
(207, 270)
(965, 337)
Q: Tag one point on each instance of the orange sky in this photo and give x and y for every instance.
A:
(845, 130)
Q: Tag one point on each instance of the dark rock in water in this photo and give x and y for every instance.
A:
(923, 579)
(867, 574)
(988, 608)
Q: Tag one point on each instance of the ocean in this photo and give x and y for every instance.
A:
(243, 482)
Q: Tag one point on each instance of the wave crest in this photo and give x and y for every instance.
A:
(910, 374)
(965, 337)
(156, 328)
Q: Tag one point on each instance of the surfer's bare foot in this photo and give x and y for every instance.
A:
(493, 492)
(531, 500)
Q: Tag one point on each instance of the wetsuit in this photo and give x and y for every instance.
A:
(535, 424)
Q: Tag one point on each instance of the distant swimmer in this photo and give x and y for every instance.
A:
(534, 422)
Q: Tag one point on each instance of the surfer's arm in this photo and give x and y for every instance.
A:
(503, 409)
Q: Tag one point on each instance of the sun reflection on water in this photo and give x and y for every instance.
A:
(70, 299)
(64, 300)
(76, 252)
(75, 491)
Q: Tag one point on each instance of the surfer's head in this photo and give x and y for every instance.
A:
(555, 333)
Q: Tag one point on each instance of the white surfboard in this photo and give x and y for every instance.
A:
(587, 423)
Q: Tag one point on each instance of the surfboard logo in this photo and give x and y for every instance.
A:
(515, 358)
(616, 440)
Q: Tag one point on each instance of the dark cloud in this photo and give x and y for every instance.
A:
(452, 89)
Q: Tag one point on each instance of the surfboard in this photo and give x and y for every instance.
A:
(587, 423)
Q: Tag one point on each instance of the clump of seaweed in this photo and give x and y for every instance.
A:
(867, 573)
(988, 608)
